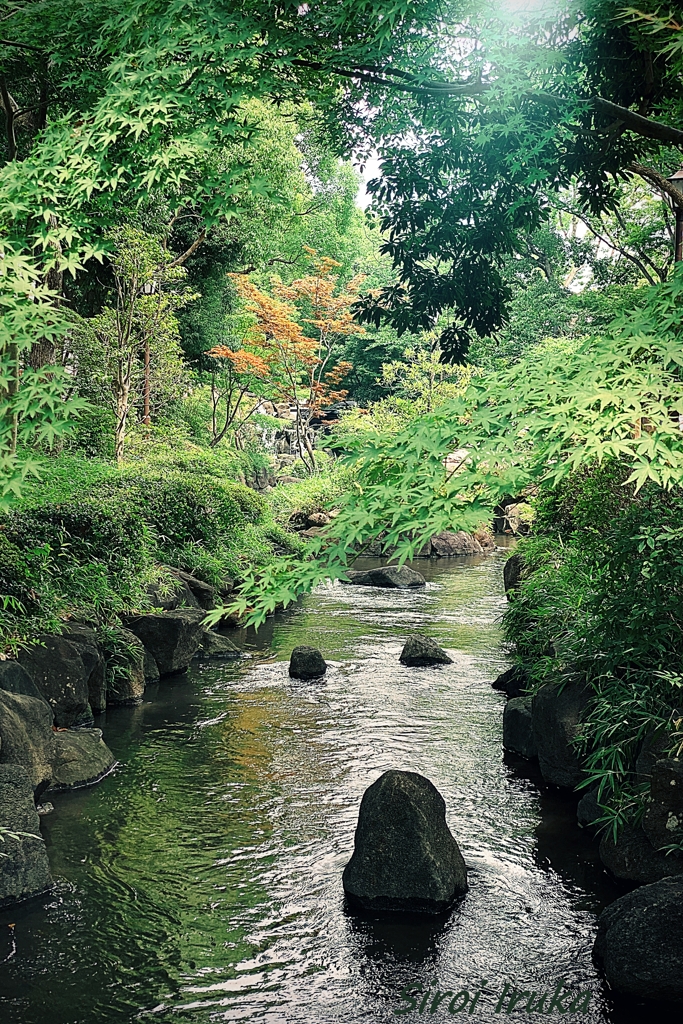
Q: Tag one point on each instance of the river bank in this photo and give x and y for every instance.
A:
(201, 880)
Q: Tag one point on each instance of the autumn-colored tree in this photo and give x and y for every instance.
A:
(303, 371)
(234, 375)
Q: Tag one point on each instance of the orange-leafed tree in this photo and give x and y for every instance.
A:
(302, 357)
(235, 374)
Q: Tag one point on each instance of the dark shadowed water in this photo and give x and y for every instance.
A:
(201, 881)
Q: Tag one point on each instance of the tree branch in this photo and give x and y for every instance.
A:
(188, 252)
(658, 180)
(21, 46)
(643, 126)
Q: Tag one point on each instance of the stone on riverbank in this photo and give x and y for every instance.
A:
(518, 733)
(513, 682)
(398, 577)
(24, 870)
(446, 544)
(81, 758)
(172, 638)
(62, 674)
(128, 676)
(512, 574)
(640, 942)
(663, 819)
(15, 679)
(556, 715)
(216, 646)
(405, 857)
(588, 810)
(633, 858)
(307, 663)
(84, 638)
(421, 651)
(26, 736)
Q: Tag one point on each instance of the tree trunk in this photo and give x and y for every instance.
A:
(121, 421)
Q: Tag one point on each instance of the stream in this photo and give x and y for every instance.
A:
(201, 880)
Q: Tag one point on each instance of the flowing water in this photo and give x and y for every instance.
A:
(201, 881)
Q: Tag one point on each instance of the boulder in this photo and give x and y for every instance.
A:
(26, 736)
(307, 663)
(126, 671)
(150, 668)
(518, 733)
(85, 639)
(404, 857)
(446, 543)
(654, 746)
(422, 650)
(588, 810)
(486, 539)
(663, 818)
(513, 682)
(61, 673)
(396, 576)
(81, 758)
(172, 638)
(633, 858)
(216, 646)
(640, 942)
(512, 574)
(318, 519)
(15, 679)
(24, 867)
(203, 594)
(556, 715)
(168, 599)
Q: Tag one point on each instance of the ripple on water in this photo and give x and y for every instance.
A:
(201, 882)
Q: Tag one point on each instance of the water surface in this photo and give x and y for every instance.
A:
(201, 881)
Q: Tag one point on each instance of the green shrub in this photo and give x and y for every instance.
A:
(601, 602)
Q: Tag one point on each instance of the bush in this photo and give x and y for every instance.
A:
(601, 602)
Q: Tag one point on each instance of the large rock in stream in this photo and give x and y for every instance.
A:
(446, 544)
(62, 669)
(640, 942)
(24, 868)
(556, 716)
(518, 733)
(405, 857)
(81, 758)
(307, 663)
(420, 651)
(398, 577)
(171, 638)
(26, 736)
(633, 858)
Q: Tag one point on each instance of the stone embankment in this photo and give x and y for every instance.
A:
(638, 943)
(49, 698)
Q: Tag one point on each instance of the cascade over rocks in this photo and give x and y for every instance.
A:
(24, 870)
(421, 651)
(640, 942)
(61, 670)
(518, 733)
(307, 663)
(172, 638)
(633, 858)
(81, 758)
(26, 737)
(556, 715)
(395, 576)
(405, 857)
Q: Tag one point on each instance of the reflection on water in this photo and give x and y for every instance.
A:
(201, 881)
